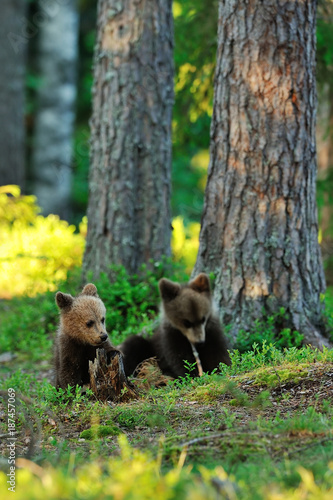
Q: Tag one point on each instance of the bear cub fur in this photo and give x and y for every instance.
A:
(186, 317)
(80, 333)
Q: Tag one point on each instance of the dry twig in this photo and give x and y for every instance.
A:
(197, 360)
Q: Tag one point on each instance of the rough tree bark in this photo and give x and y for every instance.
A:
(12, 84)
(56, 97)
(129, 199)
(108, 381)
(259, 231)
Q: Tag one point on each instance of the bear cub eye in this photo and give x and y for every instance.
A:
(103, 320)
(203, 319)
(187, 323)
(90, 323)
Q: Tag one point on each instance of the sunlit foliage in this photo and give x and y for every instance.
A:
(195, 51)
(136, 475)
(185, 242)
(35, 251)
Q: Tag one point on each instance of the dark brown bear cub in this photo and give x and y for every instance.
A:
(186, 317)
(81, 332)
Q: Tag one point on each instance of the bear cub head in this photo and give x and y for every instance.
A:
(83, 317)
(187, 307)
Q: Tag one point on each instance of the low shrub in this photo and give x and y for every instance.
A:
(36, 252)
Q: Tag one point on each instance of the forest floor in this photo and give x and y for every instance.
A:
(260, 429)
(261, 425)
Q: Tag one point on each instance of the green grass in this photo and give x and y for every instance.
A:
(210, 421)
(28, 325)
(261, 427)
(23, 324)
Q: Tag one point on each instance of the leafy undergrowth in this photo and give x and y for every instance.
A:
(262, 429)
(35, 251)
(28, 324)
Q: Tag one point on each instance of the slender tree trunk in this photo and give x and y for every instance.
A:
(128, 212)
(57, 61)
(12, 85)
(259, 231)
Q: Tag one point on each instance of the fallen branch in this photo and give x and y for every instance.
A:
(203, 438)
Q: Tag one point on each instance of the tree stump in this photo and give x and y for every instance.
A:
(108, 381)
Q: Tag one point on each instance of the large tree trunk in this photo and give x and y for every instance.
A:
(128, 212)
(259, 231)
(52, 151)
(12, 84)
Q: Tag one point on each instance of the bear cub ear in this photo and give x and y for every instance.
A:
(200, 283)
(64, 300)
(89, 289)
(168, 289)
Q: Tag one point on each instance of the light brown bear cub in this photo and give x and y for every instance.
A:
(81, 332)
(186, 318)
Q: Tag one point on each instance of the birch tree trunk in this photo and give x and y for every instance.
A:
(129, 199)
(52, 150)
(12, 88)
(259, 231)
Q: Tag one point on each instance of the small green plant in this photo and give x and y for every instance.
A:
(156, 418)
(100, 431)
(129, 418)
(308, 421)
(268, 355)
(188, 379)
(61, 398)
(270, 329)
(41, 394)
